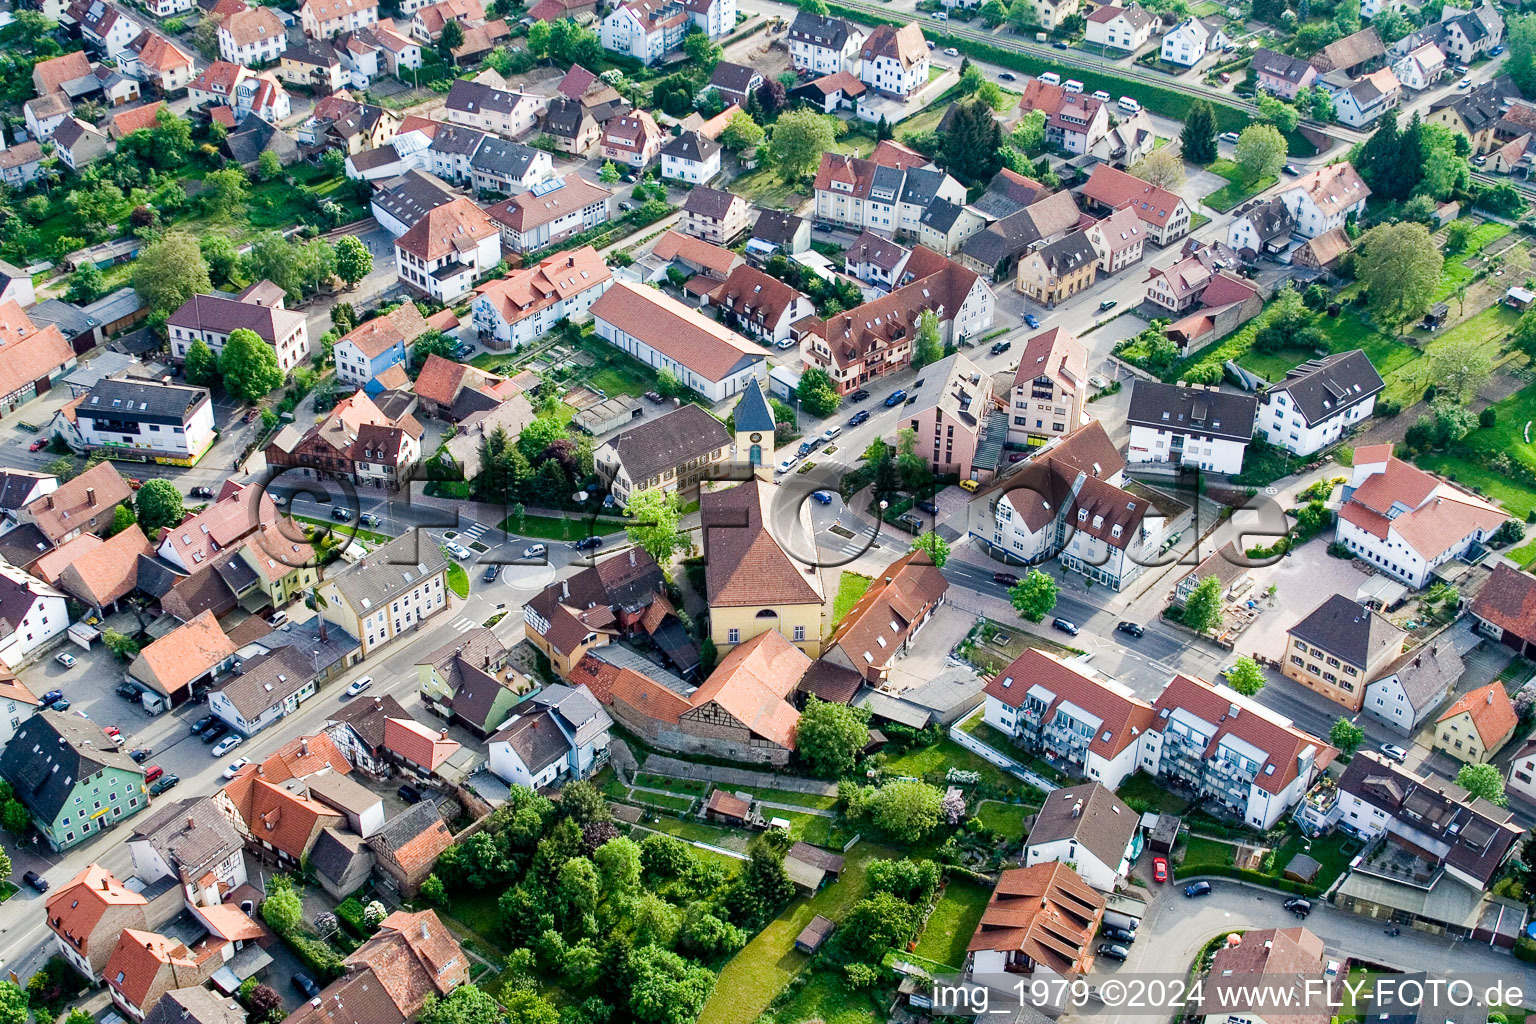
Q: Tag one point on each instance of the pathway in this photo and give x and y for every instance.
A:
(659, 764)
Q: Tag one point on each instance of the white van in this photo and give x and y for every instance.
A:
(830, 434)
(1101, 96)
(1129, 105)
(939, 16)
(1051, 78)
(786, 464)
(1072, 85)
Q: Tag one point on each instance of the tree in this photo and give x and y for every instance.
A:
(524, 1007)
(928, 345)
(120, 644)
(1483, 780)
(268, 166)
(703, 53)
(169, 272)
(706, 936)
(1520, 41)
(466, 1004)
(1381, 162)
(224, 190)
(1245, 676)
(912, 881)
(741, 132)
(158, 503)
(664, 988)
(1523, 336)
(220, 254)
(817, 7)
(1458, 234)
(971, 142)
(656, 516)
(1202, 608)
(122, 518)
(201, 367)
(618, 868)
(798, 140)
(206, 36)
(1198, 140)
(432, 890)
(451, 39)
(248, 366)
(582, 802)
(830, 736)
(1260, 152)
(609, 174)
(1163, 168)
(265, 1005)
(771, 97)
(1346, 735)
(906, 809)
(875, 925)
(282, 909)
(1028, 136)
(1277, 113)
(13, 1003)
(936, 547)
(819, 395)
(353, 260)
(538, 39)
(1399, 266)
(1033, 596)
(993, 13)
(1459, 369)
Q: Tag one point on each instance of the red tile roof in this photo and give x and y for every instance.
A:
(1492, 713)
(76, 908)
(1439, 515)
(1125, 716)
(1115, 188)
(288, 821)
(1045, 912)
(456, 226)
(129, 121)
(418, 743)
(753, 684)
(677, 331)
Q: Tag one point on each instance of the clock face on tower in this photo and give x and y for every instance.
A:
(755, 438)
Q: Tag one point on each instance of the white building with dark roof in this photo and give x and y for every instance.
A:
(1090, 828)
(1189, 426)
(824, 45)
(1318, 401)
(691, 157)
(259, 308)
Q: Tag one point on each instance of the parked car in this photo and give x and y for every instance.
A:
(234, 766)
(1007, 579)
(1007, 76)
(1197, 889)
(626, 206)
(410, 794)
(127, 691)
(858, 396)
(1130, 628)
(113, 732)
(50, 697)
(305, 984)
(1118, 934)
(1228, 137)
(1496, 51)
(830, 434)
(341, 514)
(1101, 95)
(491, 572)
(65, 658)
(929, 507)
(141, 754)
(950, 51)
(200, 492)
(896, 398)
(786, 464)
(806, 448)
(153, 772)
(535, 551)
(822, 497)
(134, 483)
(359, 685)
(164, 783)
(38, 445)
(1159, 869)
(369, 519)
(1464, 83)
(1298, 906)
(462, 349)
(227, 744)
(1290, 170)
(1032, 320)
(215, 732)
(1110, 951)
(859, 418)
(588, 544)
(1067, 626)
(1395, 752)
(278, 499)
(59, 705)
(203, 724)
(36, 881)
(459, 551)
(1108, 304)
(1000, 347)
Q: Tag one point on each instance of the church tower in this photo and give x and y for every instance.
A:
(754, 429)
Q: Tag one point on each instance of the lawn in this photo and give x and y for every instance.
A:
(547, 528)
(458, 579)
(816, 829)
(1143, 793)
(827, 997)
(693, 787)
(787, 796)
(347, 530)
(1469, 461)
(947, 754)
(953, 922)
(1004, 819)
(763, 187)
(679, 804)
(1486, 330)
(694, 831)
(1237, 188)
(1198, 851)
(850, 587)
(1332, 852)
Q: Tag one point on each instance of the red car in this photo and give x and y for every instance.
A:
(38, 445)
(1159, 869)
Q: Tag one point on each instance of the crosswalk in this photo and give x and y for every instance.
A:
(472, 533)
(464, 625)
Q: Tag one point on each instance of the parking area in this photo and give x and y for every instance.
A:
(1302, 580)
(929, 658)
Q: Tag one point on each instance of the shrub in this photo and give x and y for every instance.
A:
(1487, 417)
(319, 956)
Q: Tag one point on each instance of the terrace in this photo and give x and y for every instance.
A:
(1391, 858)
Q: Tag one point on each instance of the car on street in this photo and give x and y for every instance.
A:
(305, 984)
(859, 418)
(1061, 46)
(278, 499)
(134, 483)
(491, 572)
(341, 514)
(1228, 137)
(369, 519)
(200, 492)
(234, 766)
(1226, 673)
(50, 697)
(1160, 869)
(1394, 751)
(163, 783)
(1298, 906)
(1130, 629)
(1118, 934)
(1464, 83)
(227, 744)
(1108, 304)
(626, 206)
(1197, 889)
(1032, 320)
(1001, 347)
(806, 448)
(830, 434)
(950, 51)
(535, 551)
(822, 497)
(859, 396)
(215, 732)
(459, 551)
(1007, 579)
(141, 755)
(410, 794)
(896, 398)
(1290, 170)
(203, 724)
(59, 705)
(38, 445)
(36, 881)
(1007, 76)
(359, 685)
(153, 772)
(1495, 51)
(1067, 626)
(927, 506)
(126, 690)
(1111, 951)
(588, 544)
(65, 658)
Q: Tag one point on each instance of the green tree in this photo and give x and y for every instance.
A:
(1459, 369)
(1520, 42)
(268, 166)
(928, 345)
(224, 190)
(906, 809)
(706, 936)
(618, 868)
(664, 988)
(668, 384)
(201, 367)
(583, 803)
(817, 7)
(433, 343)
(433, 892)
(353, 260)
(703, 53)
(122, 518)
(1523, 336)
(656, 528)
(1458, 235)
(1399, 266)
(741, 132)
(248, 366)
(1033, 596)
(798, 140)
(1198, 140)
(993, 13)
(972, 140)
(1277, 113)
(524, 1007)
(830, 736)
(538, 39)
(282, 909)
(911, 881)
(13, 1003)
(1202, 608)
(451, 39)
(220, 254)
(1260, 152)
(1346, 735)
(157, 504)
(466, 1004)
(936, 547)
(1245, 676)
(170, 271)
(1483, 780)
(205, 37)
(875, 925)
(1163, 168)
(86, 284)
(817, 393)
(1381, 160)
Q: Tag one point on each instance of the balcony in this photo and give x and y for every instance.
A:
(1388, 858)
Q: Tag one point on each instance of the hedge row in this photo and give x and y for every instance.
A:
(1155, 98)
(316, 954)
(1182, 873)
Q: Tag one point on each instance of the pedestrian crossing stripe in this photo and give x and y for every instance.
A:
(463, 625)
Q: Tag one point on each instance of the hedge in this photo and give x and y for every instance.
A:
(1244, 875)
(316, 954)
(350, 911)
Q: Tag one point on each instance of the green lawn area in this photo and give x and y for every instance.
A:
(816, 829)
(547, 528)
(1523, 555)
(347, 530)
(458, 579)
(680, 804)
(1143, 790)
(693, 787)
(850, 587)
(1468, 460)
(827, 998)
(763, 187)
(1237, 188)
(947, 754)
(694, 830)
(787, 796)
(757, 974)
(1004, 819)
(1199, 850)
(1486, 330)
(1332, 852)
(953, 922)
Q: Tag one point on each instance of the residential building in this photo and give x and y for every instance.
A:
(551, 213)
(447, 250)
(357, 442)
(667, 335)
(252, 36)
(1522, 771)
(236, 513)
(1182, 425)
(1262, 228)
(646, 30)
(632, 139)
(1354, 55)
(478, 105)
(88, 913)
(1026, 219)
(1319, 401)
(419, 749)
(528, 303)
(399, 203)
(571, 125)
(1179, 287)
(760, 306)
(1187, 43)
(875, 261)
(211, 318)
(82, 504)
(840, 90)
(1280, 74)
(566, 620)
(558, 733)
(881, 626)
(1050, 389)
(45, 114)
(263, 689)
(1325, 199)
(1051, 12)
(1365, 99)
(1413, 686)
(1322, 253)
(894, 61)
(323, 19)
(1420, 68)
(1477, 725)
(278, 824)
(951, 415)
(357, 730)
(78, 144)
(1240, 756)
(1478, 112)
(1408, 522)
(34, 614)
(823, 45)
(715, 216)
(216, 84)
(182, 660)
(1040, 921)
(753, 585)
(1079, 124)
(19, 704)
(1468, 35)
(1339, 647)
(314, 65)
(1267, 968)
(1119, 27)
(34, 357)
(1117, 240)
(1165, 215)
(50, 75)
(467, 681)
(889, 197)
(406, 850)
(19, 167)
(191, 841)
(691, 157)
(104, 27)
(1505, 609)
(875, 338)
(195, 1005)
(1090, 829)
(341, 122)
(374, 346)
(1059, 270)
(152, 419)
(454, 391)
(388, 979)
(1128, 143)
(387, 593)
(777, 232)
(736, 83)
(99, 574)
(70, 775)
(673, 452)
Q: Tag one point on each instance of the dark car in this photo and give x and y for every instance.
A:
(36, 881)
(369, 519)
(1290, 171)
(410, 794)
(858, 396)
(127, 691)
(1067, 626)
(214, 733)
(588, 544)
(1031, 320)
(141, 755)
(1115, 934)
(1110, 951)
(1001, 347)
(203, 724)
(340, 514)
(201, 492)
(490, 574)
(1107, 304)
(1007, 579)
(62, 704)
(163, 783)
(50, 697)
(929, 507)
(1298, 906)
(806, 448)
(860, 417)
(1198, 889)
(1061, 46)
(305, 984)
(822, 497)
(897, 397)
(1007, 76)
(1132, 628)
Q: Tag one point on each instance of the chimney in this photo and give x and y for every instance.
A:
(426, 933)
(105, 885)
(1077, 809)
(304, 746)
(1490, 697)
(191, 822)
(47, 501)
(90, 496)
(631, 556)
(443, 733)
(565, 589)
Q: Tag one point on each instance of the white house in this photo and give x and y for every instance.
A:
(36, 613)
(894, 61)
(447, 250)
(1120, 28)
(691, 157)
(252, 36)
(190, 840)
(1090, 828)
(323, 19)
(1468, 34)
(153, 418)
(505, 111)
(560, 732)
(259, 308)
(648, 30)
(1189, 426)
(268, 686)
(1522, 771)
(1188, 42)
(1325, 198)
(1367, 98)
(824, 45)
(1414, 686)
(553, 211)
(1420, 68)
(17, 704)
(1318, 401)
(528, 303)
(104, 26)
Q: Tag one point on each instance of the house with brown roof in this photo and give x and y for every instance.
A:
(1050, 388)
(1165, 215)
(1473, 729)
(184, 660)
(616, 597)
(191, 841)
(1353, 55)
(467, 681)
(252, 36)
(109, 572)
(632, 139)
(239, 511)
(357, 441)
(357, 730)
(450, 390)
(407, 847)
(760, 306)
(1505, 609)
(31, 359)
(387, 593)
(881, 627)
(893, 60)
(1339, 648)
(528, 303)
(1325, 199)
(145, 965)
(673, 452)
(447, 250)
(665, 334)
(1040, 921)
(87, 914)
(259, 308)
(532, 220)
(1265, 969)
(374, 346)
(1090, 828)
(889, 192)
(277, 824)
(195, 1005)
(715, 216)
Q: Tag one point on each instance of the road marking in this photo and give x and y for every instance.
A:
(463, 625)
